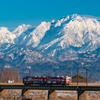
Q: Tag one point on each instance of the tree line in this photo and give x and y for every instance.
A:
(7, 74)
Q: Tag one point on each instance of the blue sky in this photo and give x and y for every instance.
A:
(17, 12)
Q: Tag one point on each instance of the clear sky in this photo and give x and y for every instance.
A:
(16, 12)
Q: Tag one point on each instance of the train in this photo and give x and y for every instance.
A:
(47, 80)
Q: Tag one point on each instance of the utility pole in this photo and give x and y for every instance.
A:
(29, 70)
(86, 76)
(71, 75)
(71, 72)
(77, 77)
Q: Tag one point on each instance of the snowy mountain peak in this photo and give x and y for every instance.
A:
(53, 21)
(38, 33)
(75, 31)
(59, 22)
(45, 25)
(4, 30)
(74, 15)
(21, 29)
(6, 36)
(53, 38)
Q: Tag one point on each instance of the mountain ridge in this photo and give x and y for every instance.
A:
(52, 37)
(55, 46)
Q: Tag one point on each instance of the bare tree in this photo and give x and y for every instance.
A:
(9, 74)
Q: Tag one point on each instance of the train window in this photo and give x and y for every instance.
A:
(29, 79)
(48, 79)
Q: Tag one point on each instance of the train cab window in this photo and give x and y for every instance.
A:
(48, 79)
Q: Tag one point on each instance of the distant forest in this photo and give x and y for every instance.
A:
(7, 74)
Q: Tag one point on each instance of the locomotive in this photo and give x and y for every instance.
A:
(47, 80)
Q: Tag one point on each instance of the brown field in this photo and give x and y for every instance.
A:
(84, 84)
(72, 84)
(11, 84)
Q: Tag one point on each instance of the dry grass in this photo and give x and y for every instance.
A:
(43, 94)
(11, 84)
(84, 84)
(72, 84)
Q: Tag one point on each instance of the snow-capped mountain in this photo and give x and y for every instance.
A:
(28, 35)
(20, 29)
(55, 38)
(73, 31)
(21, 53)
(6, 36)
(73, 41)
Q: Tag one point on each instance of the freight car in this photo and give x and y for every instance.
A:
(59, 80)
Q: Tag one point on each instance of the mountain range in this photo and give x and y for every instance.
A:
(55, 47)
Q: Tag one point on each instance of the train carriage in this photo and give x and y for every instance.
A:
(64, 80)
